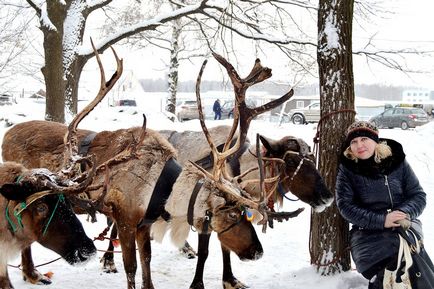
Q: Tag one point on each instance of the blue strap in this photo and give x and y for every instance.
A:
(283, 193)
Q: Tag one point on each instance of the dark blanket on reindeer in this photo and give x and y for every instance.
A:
(373, 250)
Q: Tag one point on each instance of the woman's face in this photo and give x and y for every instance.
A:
(363, 147)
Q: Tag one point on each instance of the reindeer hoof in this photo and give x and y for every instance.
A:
(234, 283)
(108, 266)
(197, 285)
(36, 278)
(188, 252)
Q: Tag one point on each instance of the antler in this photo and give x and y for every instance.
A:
(71, 143)
(219, 174)
(256, 75)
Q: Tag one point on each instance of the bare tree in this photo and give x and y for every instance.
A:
(329, 231)
(63, 24)
(13, 40)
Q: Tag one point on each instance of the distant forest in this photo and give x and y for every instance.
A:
(373, 91)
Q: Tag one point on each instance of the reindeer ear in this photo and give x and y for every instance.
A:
(216, 202)
(17, 192)
(269, 144)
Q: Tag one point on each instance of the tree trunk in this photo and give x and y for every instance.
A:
(173, 69)
(329, 237)
(53, 68)
(71, 87)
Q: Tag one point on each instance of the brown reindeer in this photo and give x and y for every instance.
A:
(34, 209)
(142, 172)
(36, 205)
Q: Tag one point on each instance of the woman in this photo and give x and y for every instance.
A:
(375, 189)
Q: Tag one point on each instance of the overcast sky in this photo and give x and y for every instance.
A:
(405, 24)
(409, 27)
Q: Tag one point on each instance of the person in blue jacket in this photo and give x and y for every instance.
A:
(217, 109)
(376, 188)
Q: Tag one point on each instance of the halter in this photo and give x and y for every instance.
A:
(280, 188)
(244, 213)
(24, 205)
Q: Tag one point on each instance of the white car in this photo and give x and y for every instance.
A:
(310, 113)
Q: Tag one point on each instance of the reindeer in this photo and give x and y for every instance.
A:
(139, 169)
(296, 170)
(19, 142)
(36, 206)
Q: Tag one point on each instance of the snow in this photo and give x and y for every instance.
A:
(286, 260)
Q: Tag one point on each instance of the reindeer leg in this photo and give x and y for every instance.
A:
(229, 280)
(144, 244)
(30, 274)
(202, 255)
(127, 238)
(5, 282)
(107, 260)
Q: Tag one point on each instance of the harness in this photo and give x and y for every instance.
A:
(161, 192)
(280, 188)
(208, 215)
(83, 147)
(233, 161)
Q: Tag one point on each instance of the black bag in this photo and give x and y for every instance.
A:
(422, 271)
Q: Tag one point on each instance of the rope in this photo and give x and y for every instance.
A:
(316, 139)
(40, 265)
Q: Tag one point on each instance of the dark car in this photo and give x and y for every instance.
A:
(127, 102)
(228, 108)
(5, 99)
(403, 117)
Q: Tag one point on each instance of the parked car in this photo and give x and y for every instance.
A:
(187, 109)
(228, 107)
(310, 113)
(126, 102)
(5, 99)
(403, 117)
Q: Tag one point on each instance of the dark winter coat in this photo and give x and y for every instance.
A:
(365, 191)
(216, 107)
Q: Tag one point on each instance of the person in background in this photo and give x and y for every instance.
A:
(217, 109)
(375, 189)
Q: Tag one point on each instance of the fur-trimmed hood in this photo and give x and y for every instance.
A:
(370, 168)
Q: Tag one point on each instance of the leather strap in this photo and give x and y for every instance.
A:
(193, 197)
(161, 192)
(84, 145)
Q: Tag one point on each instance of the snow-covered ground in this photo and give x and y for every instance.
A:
(285, 263)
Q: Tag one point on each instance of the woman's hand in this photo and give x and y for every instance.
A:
(393, 217)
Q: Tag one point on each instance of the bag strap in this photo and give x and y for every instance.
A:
(412, 242)
(404, 255)
(390, 277)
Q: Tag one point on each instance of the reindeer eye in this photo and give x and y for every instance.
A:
(233, 215)
(41, 208)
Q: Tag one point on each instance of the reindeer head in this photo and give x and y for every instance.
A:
(38, 210)
(297, 172)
